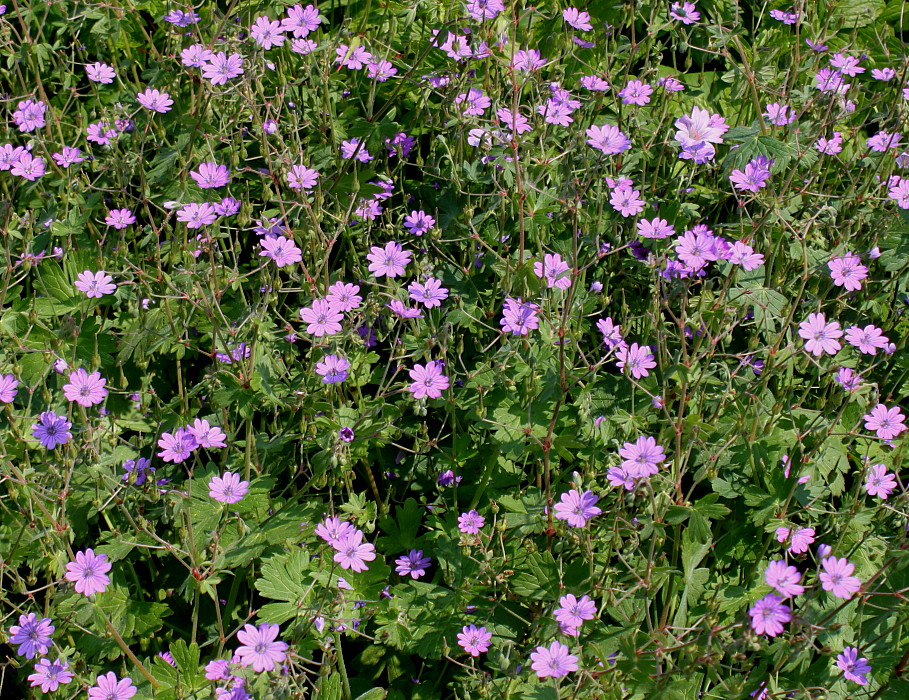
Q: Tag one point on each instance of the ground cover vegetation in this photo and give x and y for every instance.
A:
(453, 350)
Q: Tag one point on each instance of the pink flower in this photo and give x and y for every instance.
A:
(95, 284)
(176, 447)
(155, 100)
(572, 611)
(323, 318)
(642, 458)
(887, 423)
(820, 336)
(474, 640)
(100, 73)
(879, 482)
(801, 539)
(867, 339)
(220, 68)
(267, 32)
(848, 272)
(344, 297)
(769, 614)
(428, 381)
(282, 250)
(470, 522)
(353, 553)
(556, 271)
(637, 359)
(700, 127)
(302, 178)
(636, 92)
(838, 579)
(333, 530)
(577, 508)
(626, 201)
(110, 688)
(784, 578)
(210, 175)
(608, 139)
(388, 261)
(84, 388)
(259, 648)
(228, 488)
(853, 667)
(119, 218)
(554, 661)
(89, 572)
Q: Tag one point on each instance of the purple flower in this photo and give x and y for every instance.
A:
(139, 467)
(323, 318)
(228, 488)
(8, 388)
(626, 201)
(848, 379)
(783, 578)
(100, 73)
(197, 215)
(554, 661)
(352, 148)
(267, 33)
(206, 435)
(52, 430)
(573, 611)
(838, 579)
(801, 539)
(89, 572)
(700, 127)
(210, 175)
(785, 17)
(388, 261)
(527, 60)
(354, 59)
(769, 614)
(333, 530)
(219, 68)
(28, 166)
(333, 369)
(779, 115)
(554, 270)
(84, 388)
(430, 293)
(69, 156)
(637, 359)
(820, 336)
(259, 648)
(346, 434)
(412, 563)
(867, 339)
(95, 284)
(418, 222)
(848, 272)
(642, 458)
(447, 478)
(119, 218)
(300, 21)
(879, 482)
(401, 311)
(282, 250)
(109, 688)
(428, 380)
(830, 146)
(33, 635)
(302, 178)
(577, 508)
(655, 228)
(594, 83)
(353, 553)
(470, 522)
(29, 115)
(519, 318)
(50, 675)
(887, 423)
(176, 447)
(853, 667)
(612, 334)
(882, 141)
(155, 100)
(474, 640)
(754, 177)
(344, 296)
(743, 254)
(636, 92)
(684, 12)
(608, 139)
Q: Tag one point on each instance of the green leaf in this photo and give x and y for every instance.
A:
(538, 577)
(282, 577)
(372, 694)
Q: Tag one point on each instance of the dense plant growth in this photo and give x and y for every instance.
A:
(445, 350)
